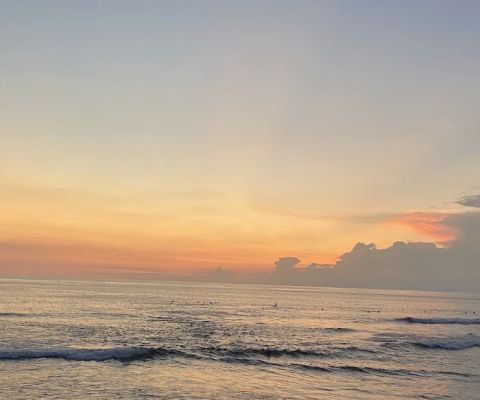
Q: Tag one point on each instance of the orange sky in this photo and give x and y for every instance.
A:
(54, 229)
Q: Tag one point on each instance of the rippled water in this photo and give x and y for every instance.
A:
(106, 340)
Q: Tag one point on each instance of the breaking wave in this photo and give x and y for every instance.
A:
(240, 355)
(458, 321)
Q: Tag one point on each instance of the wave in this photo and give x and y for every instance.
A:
(450, 344)
(120, 354)
(312, 367)
(12, 314)
(459, 321)
(269, 352)
(375, 370)
(134, 353)
(351, 349)
(241, 355)
(126, 354)
(339, 330)
(272, 352)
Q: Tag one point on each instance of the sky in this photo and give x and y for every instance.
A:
(181, 136)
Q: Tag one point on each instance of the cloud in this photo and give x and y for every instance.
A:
(285, 270)
(430, 224)
(468, 236)
(470, 201)
(315, 266)
(452, 264)
(286, 264)
(366, 218)
(418, 265)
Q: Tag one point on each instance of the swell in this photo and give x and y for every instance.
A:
(339, 330)
(12, 314)
(266, 352)
(445, 321)
(450, 344)
(360, 369)
(374, 371)
(120, 354)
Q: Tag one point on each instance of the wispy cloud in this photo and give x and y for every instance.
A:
(296, 214)
(470, 201)
(430, 224)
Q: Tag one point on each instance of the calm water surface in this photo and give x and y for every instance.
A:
(111, 340)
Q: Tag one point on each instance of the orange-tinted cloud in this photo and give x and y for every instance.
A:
(430, 224)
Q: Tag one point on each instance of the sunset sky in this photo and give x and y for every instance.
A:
(180, 136)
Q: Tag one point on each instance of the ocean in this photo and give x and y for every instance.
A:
(62, 339)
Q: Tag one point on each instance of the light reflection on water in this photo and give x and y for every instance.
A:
(229, 341)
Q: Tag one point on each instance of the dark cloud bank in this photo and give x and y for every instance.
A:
(452, 266)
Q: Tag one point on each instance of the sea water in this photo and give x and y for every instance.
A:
(63, 339)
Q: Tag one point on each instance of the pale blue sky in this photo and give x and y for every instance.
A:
(313, 91)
